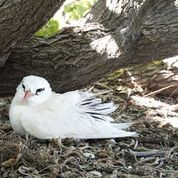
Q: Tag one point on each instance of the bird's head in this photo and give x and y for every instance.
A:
(33, 90)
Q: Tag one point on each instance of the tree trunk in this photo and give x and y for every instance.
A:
(115, 35)
(20, 19)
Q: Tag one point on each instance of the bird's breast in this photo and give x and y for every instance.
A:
(15, 113)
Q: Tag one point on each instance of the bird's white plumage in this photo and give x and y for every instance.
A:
(44, 114)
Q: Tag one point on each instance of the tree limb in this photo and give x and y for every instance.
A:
(78, 56)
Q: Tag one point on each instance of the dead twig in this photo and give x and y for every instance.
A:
(160, 90)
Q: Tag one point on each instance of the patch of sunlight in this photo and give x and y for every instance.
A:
(149, 102)
(133, 81)
(158, 110)
(171, 62)
(112, 4)
(173, 121)
(176, 3)
(106, 45)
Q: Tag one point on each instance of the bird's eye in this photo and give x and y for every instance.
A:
(23, 86)
(39, 90)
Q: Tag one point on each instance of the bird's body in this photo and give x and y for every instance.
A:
(44, 114)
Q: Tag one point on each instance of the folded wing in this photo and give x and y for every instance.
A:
(74, 114)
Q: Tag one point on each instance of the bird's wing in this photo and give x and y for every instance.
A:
(73, 114)
(87, 103)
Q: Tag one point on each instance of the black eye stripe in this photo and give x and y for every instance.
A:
(39, 90)
(23, 86)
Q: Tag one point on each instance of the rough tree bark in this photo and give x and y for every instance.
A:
(116, 34)
(20, 19)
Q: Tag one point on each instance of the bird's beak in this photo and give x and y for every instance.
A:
(27, 94)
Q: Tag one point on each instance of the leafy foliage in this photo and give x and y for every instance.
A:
(74, 11)
(48, 30)
(78, 9)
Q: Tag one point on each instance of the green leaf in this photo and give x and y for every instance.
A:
(74, 11)
(78, 9)
(48, 30)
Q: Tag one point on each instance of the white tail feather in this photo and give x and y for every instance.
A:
(94, 106)
(107, 135)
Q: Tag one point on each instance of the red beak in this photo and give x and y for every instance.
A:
(27, 94)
